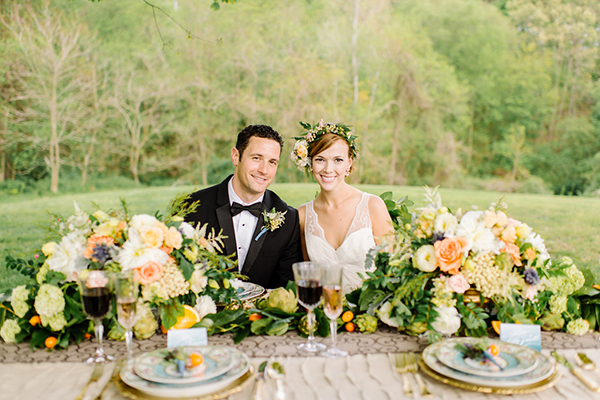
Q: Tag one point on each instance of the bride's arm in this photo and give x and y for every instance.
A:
(380, 219)
(302, 218)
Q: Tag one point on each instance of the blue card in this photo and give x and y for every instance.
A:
(525, 335)
(187, 337)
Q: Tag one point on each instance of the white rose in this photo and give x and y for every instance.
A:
(447, 321)
(205, 305)
(187, 230)
(446, 224)
(384, 315)
(424, 259)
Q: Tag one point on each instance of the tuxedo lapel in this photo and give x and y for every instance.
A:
(256, 245)
(223, 212)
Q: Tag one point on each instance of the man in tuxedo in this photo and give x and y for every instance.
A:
(236, 206)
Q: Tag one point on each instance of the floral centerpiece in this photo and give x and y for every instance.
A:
(176, 265)
(454, 273)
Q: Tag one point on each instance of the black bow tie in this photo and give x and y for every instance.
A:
(254, 209)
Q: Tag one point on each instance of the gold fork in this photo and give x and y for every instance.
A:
(413, 367)
(96, 374)
(402, 368)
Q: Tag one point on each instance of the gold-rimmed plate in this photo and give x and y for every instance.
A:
(237, 386)
(525, 389)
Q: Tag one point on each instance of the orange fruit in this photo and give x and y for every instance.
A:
(347, 316)
(255, 316)
(196, 359)
(349, 327)
(35, 320)
(496, 326)
(163, 329)
(494, 350)
(87, 335)
(189, 318)
(50, 342)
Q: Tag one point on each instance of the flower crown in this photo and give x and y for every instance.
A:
(315, 133)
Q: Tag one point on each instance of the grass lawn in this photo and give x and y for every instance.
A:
(570, 225)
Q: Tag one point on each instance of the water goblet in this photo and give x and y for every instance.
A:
(308, 285)
(332, 305)
(96, 297)
(126, 291)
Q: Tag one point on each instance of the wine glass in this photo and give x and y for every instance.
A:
(94, 287)
(332, 305)
(126, 292)
(308, 284)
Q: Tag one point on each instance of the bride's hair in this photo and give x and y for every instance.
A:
(325, 142)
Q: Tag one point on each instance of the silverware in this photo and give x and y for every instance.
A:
(578, 372)
(413, 367)
(96, 374)
(402, 369)
(584, 362)
(260, 378)
(115, 375)
(276, 372)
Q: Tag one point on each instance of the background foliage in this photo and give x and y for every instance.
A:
(469, 94)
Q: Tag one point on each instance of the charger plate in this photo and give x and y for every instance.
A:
(525, 389)
(237, 386)
(250, 290)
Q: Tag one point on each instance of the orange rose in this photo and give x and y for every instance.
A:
(95, 240)
(449, 253)
(166, 249)
(530, 254)
(514, 252)
(150, 272)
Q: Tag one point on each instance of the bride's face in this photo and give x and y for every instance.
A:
(331, 165)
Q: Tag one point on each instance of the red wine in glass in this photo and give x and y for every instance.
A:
(96, 302)
(309, 293)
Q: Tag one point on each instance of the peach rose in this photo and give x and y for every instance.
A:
(490, 219)
(530, 254)
(152, 237)
(150, 272)
(95, 240)
(166, 249)
(173, 238)
(449, 253)
(457, 284)
(509, 234)
(514, 252)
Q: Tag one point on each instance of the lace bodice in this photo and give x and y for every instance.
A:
(352, 252)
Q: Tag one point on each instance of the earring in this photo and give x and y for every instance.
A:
(348, 172)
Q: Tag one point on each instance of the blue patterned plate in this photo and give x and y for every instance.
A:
(515, 360)
(153, 367)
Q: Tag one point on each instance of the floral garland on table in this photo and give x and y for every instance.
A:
(453, 273)
(315, 133)
(176, 264)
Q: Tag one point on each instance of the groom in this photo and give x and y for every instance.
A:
(236, 206)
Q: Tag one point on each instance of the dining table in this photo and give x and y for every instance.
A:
(368, 372)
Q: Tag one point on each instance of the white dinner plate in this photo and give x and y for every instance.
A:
(241, 363)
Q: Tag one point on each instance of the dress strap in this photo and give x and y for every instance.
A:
(362, 218)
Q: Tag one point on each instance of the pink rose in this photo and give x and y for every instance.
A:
(150, 272)
(530, 292)
(96, 279)
(457, 284)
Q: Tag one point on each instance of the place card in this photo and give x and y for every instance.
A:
(525, 335)
(187, 337)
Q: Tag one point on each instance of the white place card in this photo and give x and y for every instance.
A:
(187, 337)
(525, 335)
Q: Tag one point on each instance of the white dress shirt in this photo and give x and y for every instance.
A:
(244, 225)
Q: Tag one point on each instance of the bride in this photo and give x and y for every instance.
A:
(342, 223)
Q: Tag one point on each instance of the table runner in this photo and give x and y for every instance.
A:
(385, 340)
(357, 377)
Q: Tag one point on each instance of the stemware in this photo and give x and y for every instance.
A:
(126, 292)
(96, 297)
(332, 305)
(308, 284)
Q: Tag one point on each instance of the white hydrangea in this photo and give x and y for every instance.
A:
(18, 301)
(57, 321)
(9, 330)
(49, 301)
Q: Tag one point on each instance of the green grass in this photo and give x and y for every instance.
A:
(568, 224)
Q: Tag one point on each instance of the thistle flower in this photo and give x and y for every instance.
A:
(531, 276)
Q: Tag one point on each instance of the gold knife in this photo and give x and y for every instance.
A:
(115, 375)
(578, 372)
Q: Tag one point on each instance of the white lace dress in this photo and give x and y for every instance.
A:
(352, 252)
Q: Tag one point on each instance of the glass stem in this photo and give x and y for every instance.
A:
(99, 331)
(128, 340)
(310, 319)
(333, 329)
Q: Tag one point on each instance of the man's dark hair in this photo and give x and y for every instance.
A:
(261, 131)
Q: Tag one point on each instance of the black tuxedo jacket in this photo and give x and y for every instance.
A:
(270, 258)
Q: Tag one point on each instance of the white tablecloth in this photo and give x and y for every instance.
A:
(369, 376)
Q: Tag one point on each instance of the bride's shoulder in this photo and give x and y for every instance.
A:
(377, 205)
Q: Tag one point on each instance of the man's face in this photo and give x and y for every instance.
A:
(256, 168)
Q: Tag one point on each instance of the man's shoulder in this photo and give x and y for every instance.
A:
(279, 204)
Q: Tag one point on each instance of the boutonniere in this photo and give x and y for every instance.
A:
(272, 220)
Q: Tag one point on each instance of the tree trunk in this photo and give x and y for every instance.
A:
(354, 56)
(203, 157)
(54, 141)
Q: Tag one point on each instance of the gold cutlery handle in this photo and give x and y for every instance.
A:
(406, 388)
(578, 372)
(422, 386)
(96, 374)
(257, 394)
